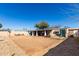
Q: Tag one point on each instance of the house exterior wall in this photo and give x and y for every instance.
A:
(76, 33)
(72, 31)
(52, 33)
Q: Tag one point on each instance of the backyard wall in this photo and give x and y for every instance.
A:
(14, 33)
(4, 33)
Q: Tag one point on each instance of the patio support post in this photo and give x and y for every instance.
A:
(36, 33)
(45, 33)
(67, 33)
(32, 33)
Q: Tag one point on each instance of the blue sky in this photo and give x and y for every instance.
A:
(19, 15)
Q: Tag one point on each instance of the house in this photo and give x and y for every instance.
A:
(73, 31)
(67, 32)
(52, 32)
(44, 32)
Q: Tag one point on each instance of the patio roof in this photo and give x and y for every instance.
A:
(45, 29)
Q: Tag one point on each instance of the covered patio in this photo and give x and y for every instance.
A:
(42, 32)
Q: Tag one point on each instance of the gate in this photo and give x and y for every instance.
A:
(63, 32)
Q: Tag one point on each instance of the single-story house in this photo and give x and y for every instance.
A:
(52, 32)
(44, 32)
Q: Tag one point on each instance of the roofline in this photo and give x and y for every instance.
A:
(73, 28)
(43, 29)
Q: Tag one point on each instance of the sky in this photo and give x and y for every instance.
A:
(26, 15)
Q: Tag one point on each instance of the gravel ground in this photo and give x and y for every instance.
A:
(66, 48)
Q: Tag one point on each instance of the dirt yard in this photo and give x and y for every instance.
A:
(29, 46)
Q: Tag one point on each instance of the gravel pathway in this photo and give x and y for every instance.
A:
(67, 48)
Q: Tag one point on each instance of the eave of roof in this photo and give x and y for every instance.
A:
(45, 29)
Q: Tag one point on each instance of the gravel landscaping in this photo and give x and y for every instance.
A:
(68, 48)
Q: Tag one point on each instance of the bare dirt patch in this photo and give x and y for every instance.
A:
(35, 45)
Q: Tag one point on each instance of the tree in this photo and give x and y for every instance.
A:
(42, 25)
(37, 25)
(1, 25)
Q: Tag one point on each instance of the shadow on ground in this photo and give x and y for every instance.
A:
(67, 48)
